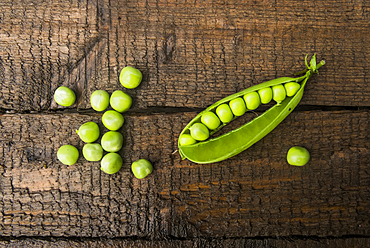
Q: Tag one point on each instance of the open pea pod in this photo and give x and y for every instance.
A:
(232, 143)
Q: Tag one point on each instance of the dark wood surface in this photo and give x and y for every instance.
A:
(191, 53)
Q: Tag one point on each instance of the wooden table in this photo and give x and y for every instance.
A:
(191, 54)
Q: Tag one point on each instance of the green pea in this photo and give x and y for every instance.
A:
(64, 96)
(141, 168)
(112, 141)
(111, 163)
(186, 139)
(92, 152)
(130, 77)
(252, 100)
(265, 95)
(298, 156)
(112, 120)
(237, 106)
(199, 131)
(224, 113)
(120, 101)
(68, 154)
(278, 93)
(292, 88)
(88, 132)
(99, 100)
(211, 120)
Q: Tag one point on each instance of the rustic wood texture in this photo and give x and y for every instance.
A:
(195, 243)
(191, 53)
(253, 194)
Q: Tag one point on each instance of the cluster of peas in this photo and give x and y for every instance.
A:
(111, 141)
(226, 112)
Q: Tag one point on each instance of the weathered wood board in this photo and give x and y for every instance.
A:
(253, 194)
(191, 53)
(196, 243)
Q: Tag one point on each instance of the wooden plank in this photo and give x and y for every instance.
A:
(191, 53)
(253, 194)
(41, 43)
(196, 243)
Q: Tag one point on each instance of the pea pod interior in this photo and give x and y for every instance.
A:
(277, 81)
(236, 141)
(230, 144)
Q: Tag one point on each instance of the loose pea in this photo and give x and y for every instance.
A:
(68, 154)
(211, 120)
(278, 93)
(99, 100)
(130, 77)
(112, 141)
(237, 106)
(252, 100)
(112, 120)
(298, 156)
(291, 88)
(120, 101)
(111, 163)
(92, 152)
(141, 168)
(88, 132)
(199, 131)
(64, 96)
(224, 113)
(186, 139)
(265, 95)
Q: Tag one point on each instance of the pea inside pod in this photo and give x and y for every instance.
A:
(237, 106)
(211, 120)
(252, 100)
(232, 143)
(224, 113)
(265, 95)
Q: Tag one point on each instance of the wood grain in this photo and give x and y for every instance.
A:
(196, 243)
(191, 53)
(255, 194)
(41, 44)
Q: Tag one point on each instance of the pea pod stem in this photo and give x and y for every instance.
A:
(232, 143)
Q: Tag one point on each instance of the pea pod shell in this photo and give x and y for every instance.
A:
(236, 141)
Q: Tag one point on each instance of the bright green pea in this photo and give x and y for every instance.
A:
(111, 163)
(298, 156)
(211, 120)
(88, 132)
(186, 139)
(141, 168)
(112, 120)
(130, 77)
(92, 152)
(278, 93)
(112, 141)
(199, 131)
(68, 154)
(64, 96)
(120, 101)
(292, 88)
(265, 95)
(99, 100)
(252, 100)
(237, 106)
(224, 113)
